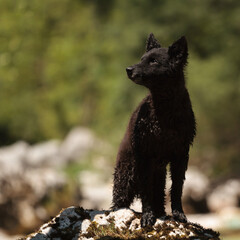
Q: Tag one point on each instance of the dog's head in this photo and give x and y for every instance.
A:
(158, 64)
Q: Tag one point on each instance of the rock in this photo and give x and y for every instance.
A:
(44, 180)
(226, 195)
(77, 143)
(21, 196)
(66, 225)
(45, 154)
(30, 175)
(135, 224)
(85, 225)
(100, 219)
(196, 178)
(96, 191)
(24, 184)
(12, 157)
(121, 218)
(194, 198)
(77, 223)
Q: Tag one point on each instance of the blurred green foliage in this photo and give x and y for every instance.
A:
(62, 63)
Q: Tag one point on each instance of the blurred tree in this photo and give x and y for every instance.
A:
(62, 63)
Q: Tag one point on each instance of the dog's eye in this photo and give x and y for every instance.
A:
(153, 61)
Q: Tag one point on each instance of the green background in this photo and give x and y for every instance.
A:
(62, 64)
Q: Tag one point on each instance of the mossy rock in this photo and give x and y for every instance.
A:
(77, 223)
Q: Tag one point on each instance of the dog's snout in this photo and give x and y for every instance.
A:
(129, 70)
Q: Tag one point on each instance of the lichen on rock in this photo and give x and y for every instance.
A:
(75, 223)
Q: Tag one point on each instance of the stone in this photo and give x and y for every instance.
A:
(101, 219)
(226, 195)
(194, 198)
(45, 154)
(122, 224)
(135, 225)
(85, 225)
(122, 217)
(12, 157)
(96, 192)
(23, 186)
(195, 178)
(77, 144)
(30, 175)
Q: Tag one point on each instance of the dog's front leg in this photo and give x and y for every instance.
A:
(147, 196)
(178, 168)
(148, 215)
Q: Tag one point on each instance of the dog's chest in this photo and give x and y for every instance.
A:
(154, 134)
(148, 128)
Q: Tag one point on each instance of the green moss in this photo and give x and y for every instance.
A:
(111, 232)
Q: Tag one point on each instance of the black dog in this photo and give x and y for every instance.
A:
(160, 131)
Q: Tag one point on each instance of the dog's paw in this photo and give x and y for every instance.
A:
(179, 216)
(148, 219)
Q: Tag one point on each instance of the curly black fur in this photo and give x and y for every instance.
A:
(160, 131)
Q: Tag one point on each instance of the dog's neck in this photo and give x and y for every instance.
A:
(166, 97)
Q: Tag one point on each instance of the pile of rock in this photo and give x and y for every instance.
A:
(200, 196)
(29, 174)
(77, 223)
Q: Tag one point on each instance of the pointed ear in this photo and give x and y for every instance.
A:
(152, 43)
(178, 51)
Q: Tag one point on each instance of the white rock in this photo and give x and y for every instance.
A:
(158, 222)
(135, 224)
(224, 196)
(195, 178)
(179, 232)
(44, 154)
(46, 231)
(121, 216)
(191, 234)
(96, 192)
(212, 220)
(12, 157)
(180, 226)
(84, 238)
(171, 225)
(172, 234)
(77, 143)
(43, 180)
(85, 224)
(101, 219)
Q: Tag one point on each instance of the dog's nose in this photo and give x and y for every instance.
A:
(129, 70)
